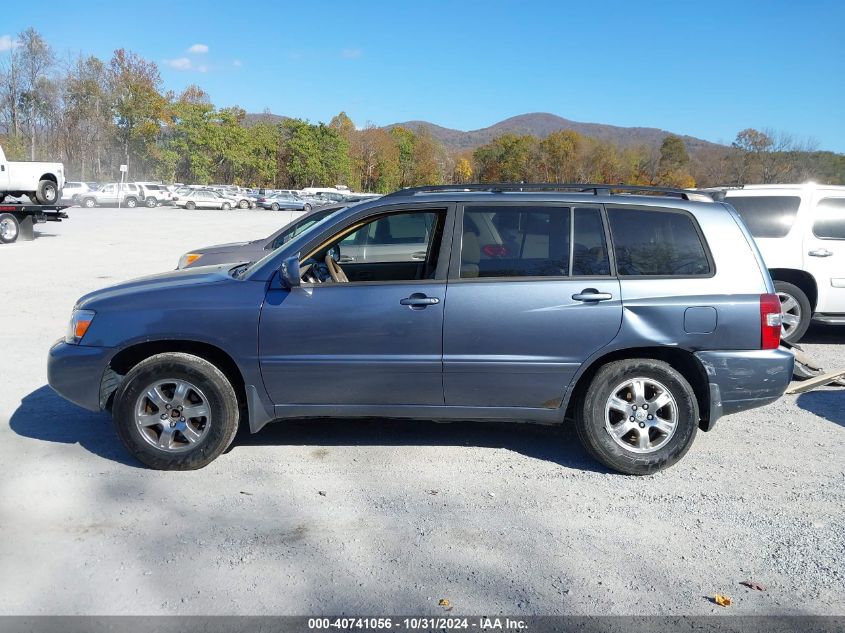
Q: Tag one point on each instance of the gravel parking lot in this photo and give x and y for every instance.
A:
(371, 517)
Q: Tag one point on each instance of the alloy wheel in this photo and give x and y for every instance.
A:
(790, 311)
(173, 415)
(641, 415)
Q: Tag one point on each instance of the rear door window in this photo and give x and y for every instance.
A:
(515, 242)
(659, 243)
(767, 216)
(830, 219)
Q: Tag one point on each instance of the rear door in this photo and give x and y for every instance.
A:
(531, 296)
(824, 251)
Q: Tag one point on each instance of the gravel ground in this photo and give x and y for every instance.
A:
(372, 517)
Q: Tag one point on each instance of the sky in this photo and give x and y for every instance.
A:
(707, 69)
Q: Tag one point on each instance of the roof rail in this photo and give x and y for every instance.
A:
(595, 189)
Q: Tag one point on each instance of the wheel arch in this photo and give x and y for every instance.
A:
(122, 362)
(679, 359)
(801, 278)
(51, 177)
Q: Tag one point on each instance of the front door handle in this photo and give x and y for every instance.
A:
(418, 301)
(820, 252)
(591, 294)
(419, 256)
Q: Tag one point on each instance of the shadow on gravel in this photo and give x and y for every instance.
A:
(555, 444)
(822, 334)
(43, 415)
(829, 405)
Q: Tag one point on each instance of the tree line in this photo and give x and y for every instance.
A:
(94, 115)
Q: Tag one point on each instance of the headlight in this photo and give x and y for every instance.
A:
(80, 320)
(187, 259)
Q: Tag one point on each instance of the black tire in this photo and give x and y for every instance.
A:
(597, 439)
(130, 203)
(151, 203)
(225, 206)
(220, 398)
(306, 208)
(190, 205)
(799, 307)
(48, 192)
(243, 204)
(89, 203)
(274, 207)
(10, 228)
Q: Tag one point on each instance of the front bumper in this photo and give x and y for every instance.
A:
(741, 380)
(75, 372)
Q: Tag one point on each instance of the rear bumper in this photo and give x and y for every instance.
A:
(75, 372)
(741, 380)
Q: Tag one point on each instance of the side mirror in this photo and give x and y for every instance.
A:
(289, 271)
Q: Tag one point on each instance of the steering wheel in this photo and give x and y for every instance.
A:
(338, 276)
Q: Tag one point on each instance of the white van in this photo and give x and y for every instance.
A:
(800, 230)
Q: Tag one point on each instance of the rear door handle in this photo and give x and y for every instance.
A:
(591, 294)
(418, 301)
(820, 252)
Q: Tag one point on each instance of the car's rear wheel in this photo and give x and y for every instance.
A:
(637, 416)
(10, 228)
(190, 205)
(795, 309)
(176, 411)
(151, 202)
(47, 193)
(274, 207)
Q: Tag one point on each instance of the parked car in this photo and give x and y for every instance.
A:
(72, 190)
(800, 230)
(284, 201)
(127, 194)
(203, 199)
(237, 252)
(643, 317)
(154, 194)
(40, 182)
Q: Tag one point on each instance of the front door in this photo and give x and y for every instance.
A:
(376, 339)
(824, 252)
(531, 296)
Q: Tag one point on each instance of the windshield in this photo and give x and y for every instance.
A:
(297, 233)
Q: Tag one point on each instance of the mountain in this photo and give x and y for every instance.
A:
(541, 124)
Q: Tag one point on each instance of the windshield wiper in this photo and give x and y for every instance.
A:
(239, 270)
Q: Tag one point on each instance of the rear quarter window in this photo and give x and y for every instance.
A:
(830, 219)
(767, 216)
(657, 243)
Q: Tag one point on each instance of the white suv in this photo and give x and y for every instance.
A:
(800, 230)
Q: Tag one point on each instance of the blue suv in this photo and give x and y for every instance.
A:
(642, 314)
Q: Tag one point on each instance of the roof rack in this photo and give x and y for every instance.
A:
(595, 189)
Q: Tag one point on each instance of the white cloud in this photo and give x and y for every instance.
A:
(180, 63)
(7, 43)
(198, 48)
(351, 53)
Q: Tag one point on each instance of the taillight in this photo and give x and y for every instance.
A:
(770, 321)
(495, 250)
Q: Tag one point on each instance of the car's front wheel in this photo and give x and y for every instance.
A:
(89, 203)
(190, 205)
(638, 416)
(243, 204)
(176, 411)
